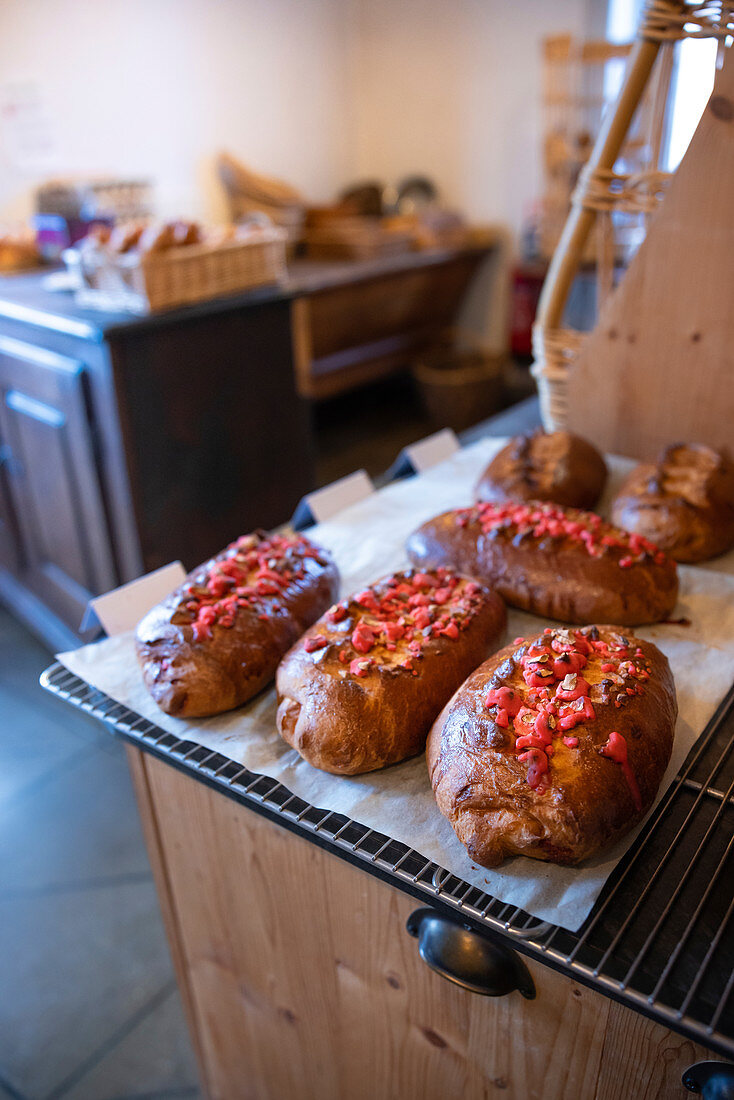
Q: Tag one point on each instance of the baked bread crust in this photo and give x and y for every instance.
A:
(684, 502)
(582, 799)
(554, 466)
(556, 562)
(217, 640)
(360, 690)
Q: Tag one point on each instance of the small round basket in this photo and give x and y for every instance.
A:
(458, 389)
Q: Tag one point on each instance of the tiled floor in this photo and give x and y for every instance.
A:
(88, 1004)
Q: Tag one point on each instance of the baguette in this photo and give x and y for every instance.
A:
(556, 746)
(556, 562)
(216, 641)
(360, 690)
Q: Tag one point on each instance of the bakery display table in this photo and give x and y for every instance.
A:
(321, 958)
(128, 442)
(288, 927)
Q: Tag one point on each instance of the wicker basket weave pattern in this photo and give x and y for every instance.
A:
(178, 276)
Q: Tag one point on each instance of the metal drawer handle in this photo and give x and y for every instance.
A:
(464, 957)
(712, 1080)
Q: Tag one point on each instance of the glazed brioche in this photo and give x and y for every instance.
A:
(556, 746)
(684, 502)
(360, 690)
(217, 640)
(556, 562)
(555, 466)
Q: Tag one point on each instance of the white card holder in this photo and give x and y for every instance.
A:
(420, 456)
(324, 503)
(122, 609)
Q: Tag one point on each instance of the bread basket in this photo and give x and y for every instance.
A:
(177, 276)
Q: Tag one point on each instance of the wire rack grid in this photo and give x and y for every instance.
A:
(660, 939)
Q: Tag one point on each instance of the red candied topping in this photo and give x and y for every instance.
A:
(504, 697)
(549, 521)
(318, 641)
(518, 641)
(252, 569)
(422, 618)
(538, 766)
(530, 740)
(616, 749)
(545, 724)
(367, 599)
(572, 687)
(555, 667)
(581, 710)
(568, 661)
(204, 620)
(360, 666)
(218, 585)
(412, 607)
(393, 631)
(363, 638)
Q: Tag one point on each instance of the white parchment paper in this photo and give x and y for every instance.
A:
(367, 540)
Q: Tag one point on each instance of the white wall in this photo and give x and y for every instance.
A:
(154, 87)
(453, 89)
(319, 92)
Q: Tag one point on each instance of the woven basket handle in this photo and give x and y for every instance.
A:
(567, 256)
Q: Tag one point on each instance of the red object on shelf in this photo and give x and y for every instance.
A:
(527, 280)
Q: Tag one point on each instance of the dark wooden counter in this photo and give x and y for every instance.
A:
(129, 441)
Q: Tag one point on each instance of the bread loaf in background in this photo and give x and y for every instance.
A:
(555, 466)
(684, 502)
(556, 562)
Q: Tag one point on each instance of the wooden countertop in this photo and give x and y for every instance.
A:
(26, 298)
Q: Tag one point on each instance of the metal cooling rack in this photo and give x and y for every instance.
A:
(660, 939)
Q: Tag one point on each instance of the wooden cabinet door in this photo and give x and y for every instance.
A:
(53, 507)
(299, 979)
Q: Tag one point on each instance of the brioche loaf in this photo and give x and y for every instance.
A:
(556, 746)
(554, 466)
(684, 502)
(556, 562)
(359, 691)
(216, 641)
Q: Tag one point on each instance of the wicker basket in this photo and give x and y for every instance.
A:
(178, 276)
(458, 389)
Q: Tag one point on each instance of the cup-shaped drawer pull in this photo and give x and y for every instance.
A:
(467, 958)
(711, 1080)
